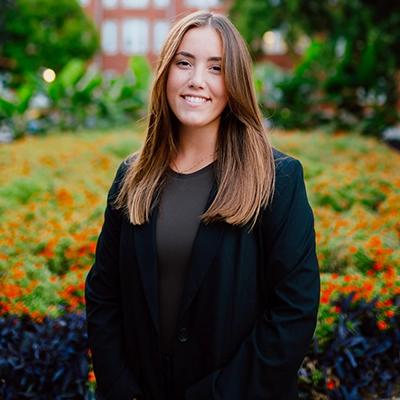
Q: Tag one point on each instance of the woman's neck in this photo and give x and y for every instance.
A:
(195, 151)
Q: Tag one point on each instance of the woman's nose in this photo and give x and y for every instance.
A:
(197, 79)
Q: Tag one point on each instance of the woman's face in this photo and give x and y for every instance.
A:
(195, 86)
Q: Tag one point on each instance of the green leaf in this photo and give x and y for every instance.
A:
(24, 94)
(71, 73)
(142, 71)
(90, 80)
(367, 66)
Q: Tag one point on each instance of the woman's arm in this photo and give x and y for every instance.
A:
(266, 365)
(104, 309)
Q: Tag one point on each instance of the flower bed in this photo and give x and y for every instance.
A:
(53, 193)
(52, 197)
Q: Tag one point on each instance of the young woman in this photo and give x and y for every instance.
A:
(206, 282)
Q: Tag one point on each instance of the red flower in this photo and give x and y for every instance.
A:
(378, 267)
(324, 300)
(347, 278)
(330, 384)
(389, 313)
(382, 325)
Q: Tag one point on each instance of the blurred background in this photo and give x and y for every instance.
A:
(74, 85)
(331, 64)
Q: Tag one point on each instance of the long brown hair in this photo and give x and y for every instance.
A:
(244, 168)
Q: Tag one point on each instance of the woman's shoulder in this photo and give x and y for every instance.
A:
(285, 164)
(121, 172)
(126, 164)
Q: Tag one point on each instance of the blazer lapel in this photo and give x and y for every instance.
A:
(204, 248)
(146, 253)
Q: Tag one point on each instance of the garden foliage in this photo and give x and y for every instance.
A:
(52, 198)
(46, 360)
(348, 77)
(80, 96)
(44, 33)
(361, 360)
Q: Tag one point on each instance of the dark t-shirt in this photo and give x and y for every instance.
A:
(183, 200)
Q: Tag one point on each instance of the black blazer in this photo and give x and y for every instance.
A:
(248, 310)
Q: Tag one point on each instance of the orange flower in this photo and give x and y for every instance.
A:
(35, 315)
(91, 377)
(382, 325)
(64, 197)
(18, 274)
(330, 320)
(367, 286)
(353, 249)
(92, 247)
(389, 313)
(79, 275)
(81, 286)
(375, 241)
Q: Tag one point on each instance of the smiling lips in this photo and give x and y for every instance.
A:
(195, 99)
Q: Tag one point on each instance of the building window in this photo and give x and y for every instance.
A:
(109, 36)
(84, 3)
(110, 3)
(135, 3)
(135, 36)
(161, 3)
(202, 4)
(160, 31)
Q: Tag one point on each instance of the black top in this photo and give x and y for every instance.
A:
(183, 200)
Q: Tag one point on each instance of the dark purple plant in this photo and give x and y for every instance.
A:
(43, 361)
(360, 356)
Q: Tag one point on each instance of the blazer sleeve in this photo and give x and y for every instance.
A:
(266, 364)
(104, 309)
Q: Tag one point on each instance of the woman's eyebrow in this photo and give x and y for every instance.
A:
(189, 55)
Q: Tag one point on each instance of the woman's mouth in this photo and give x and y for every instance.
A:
(195, 99)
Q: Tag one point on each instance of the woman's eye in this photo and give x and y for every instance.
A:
(216, 68)
(183, 63)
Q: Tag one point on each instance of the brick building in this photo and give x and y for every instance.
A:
(130, 27)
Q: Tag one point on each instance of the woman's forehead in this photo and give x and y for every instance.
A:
(204, 41)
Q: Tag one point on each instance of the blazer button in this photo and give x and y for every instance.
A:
(183, 335)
